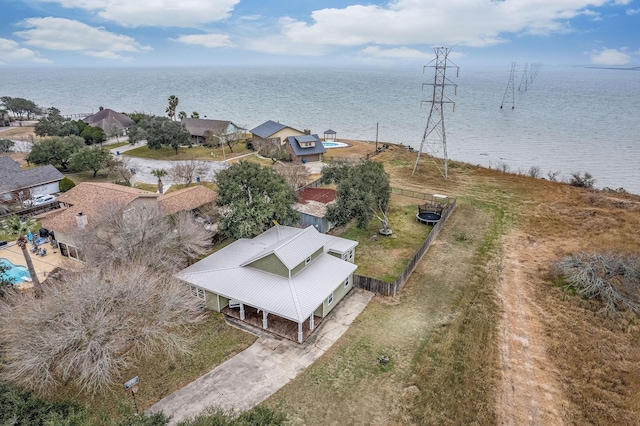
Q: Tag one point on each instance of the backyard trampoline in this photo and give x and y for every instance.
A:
(430, 212)
(430, 218)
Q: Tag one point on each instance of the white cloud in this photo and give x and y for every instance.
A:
(11, 51)
(394, 53)
(622, 2)
(206, 40)
(436, 22)
(610, 57)
(163, 13)
(68, 35)
(632, 11)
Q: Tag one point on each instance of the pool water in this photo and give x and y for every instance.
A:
(16, 273)
(334, 144)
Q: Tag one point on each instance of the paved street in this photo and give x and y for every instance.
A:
(144, 166)
(264, 367)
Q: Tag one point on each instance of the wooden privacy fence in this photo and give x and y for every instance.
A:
(391, 289)
(410, 193)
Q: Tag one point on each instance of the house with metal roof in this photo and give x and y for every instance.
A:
(17, 185)
(285, 280)
(271, 132)
(305, 148)
(210, 132)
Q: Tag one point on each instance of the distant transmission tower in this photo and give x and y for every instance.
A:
(434, 139)
(525, 78)
(510, 88)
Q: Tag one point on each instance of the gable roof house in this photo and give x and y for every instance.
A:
(305, 148)
(211, 132)
(271, 132)
(83, 205)
(17, 184)
(288, 277)
(110, 121)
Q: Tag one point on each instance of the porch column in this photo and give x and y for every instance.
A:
(312, 325)
(299, 332)
(242, 311)
(264, 319)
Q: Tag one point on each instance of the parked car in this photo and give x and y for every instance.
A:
(45, 199)
(38, 200)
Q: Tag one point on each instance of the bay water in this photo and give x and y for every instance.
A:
(568, 120)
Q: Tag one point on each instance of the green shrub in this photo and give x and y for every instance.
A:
(66, 184)
(19, 407)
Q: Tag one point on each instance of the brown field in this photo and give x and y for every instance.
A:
(480, 335)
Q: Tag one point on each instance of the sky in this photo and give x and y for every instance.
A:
(155, 33)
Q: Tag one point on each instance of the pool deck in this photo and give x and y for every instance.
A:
(43, 265)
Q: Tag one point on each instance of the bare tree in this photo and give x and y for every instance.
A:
(610, 277)
(92, 325)
(145, 236)
(296, 175)
(124, 169)
(185, 172)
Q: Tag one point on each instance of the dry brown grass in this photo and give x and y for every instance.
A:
(19, 133)
(445, 330)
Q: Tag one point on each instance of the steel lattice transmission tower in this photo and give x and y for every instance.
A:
(510, 88)
(525, 78)
(434, 139)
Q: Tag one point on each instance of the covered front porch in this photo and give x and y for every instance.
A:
(272, 323)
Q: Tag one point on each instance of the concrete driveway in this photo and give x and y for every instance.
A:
(264, 367)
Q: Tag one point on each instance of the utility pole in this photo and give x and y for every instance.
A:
(510, 88)
(377, 123)
(434, 139)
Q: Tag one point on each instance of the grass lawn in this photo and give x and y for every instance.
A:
(193, 153)
(386, 257)
(214, 342)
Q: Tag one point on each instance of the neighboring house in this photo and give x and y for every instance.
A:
(312, 205)
(18, 185)
(213, 132)
(272, 133)
(305, 148)
(83, 205)
(110, 121)
(296, 276)
(186, 199)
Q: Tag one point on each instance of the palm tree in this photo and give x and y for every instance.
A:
(22, 243)
(16, 226)
(159, 173)
(195, 114)
(173, 105)
(182, 115)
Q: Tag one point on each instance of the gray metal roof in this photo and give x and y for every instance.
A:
(293, 250)
(267, 129)
(329, 132)
(12, 179)
(296, 298)
(295, 141)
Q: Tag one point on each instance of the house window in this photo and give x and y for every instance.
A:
(346, 283)
(198, 292)
(330, 299)
(307, 260)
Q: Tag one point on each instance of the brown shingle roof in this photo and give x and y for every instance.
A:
(186, 199)
(108, 119)
(91, 198)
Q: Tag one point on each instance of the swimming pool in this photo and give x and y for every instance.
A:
(16, 273)
(335, 144)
